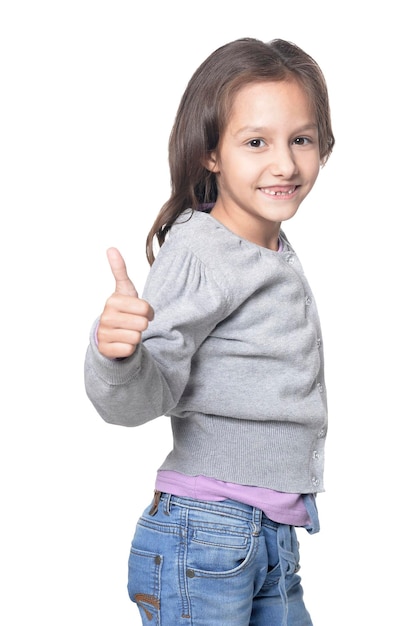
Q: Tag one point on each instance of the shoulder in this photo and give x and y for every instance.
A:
(183, 268)
(183, 265)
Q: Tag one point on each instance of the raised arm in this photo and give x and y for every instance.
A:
(138, 362)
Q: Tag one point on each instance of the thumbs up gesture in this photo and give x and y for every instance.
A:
(125, 315)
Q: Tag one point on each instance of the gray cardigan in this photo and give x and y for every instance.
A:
(234, 356)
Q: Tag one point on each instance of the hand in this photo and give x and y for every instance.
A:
(125, 316)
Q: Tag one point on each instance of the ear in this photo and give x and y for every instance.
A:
(210, 163)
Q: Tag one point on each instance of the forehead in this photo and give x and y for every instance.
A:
(260, 97)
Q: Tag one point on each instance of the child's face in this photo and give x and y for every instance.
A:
(267, 160)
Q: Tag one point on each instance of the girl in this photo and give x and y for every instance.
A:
(227, 342)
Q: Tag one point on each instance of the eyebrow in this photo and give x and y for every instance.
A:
(259, 130)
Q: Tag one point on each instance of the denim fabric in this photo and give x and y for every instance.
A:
(214, 563)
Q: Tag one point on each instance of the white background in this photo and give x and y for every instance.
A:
(89, 90)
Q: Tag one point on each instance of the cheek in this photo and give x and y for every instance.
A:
(313, 167)
(234, 170)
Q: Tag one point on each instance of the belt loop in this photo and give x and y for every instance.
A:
(155, 503)
(257, 519)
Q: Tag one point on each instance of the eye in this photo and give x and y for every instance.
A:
(256, 143)
(302, 141)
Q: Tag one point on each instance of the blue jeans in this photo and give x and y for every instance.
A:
(214, 563)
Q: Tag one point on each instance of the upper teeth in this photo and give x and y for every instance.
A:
(271, 192)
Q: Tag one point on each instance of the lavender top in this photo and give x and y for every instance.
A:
(286, 508)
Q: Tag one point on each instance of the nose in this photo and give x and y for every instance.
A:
(283, 162)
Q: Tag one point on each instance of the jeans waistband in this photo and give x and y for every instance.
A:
(230, 508)
(233, 508)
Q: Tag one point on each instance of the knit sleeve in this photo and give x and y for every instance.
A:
(188, 303)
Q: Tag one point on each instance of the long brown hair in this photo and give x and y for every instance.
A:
(203, 114)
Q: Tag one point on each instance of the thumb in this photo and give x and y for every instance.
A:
(124, 285)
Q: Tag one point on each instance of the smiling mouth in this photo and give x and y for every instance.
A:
(279, 191)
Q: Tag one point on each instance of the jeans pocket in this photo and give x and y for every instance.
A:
(144, 583)
(212, 552)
